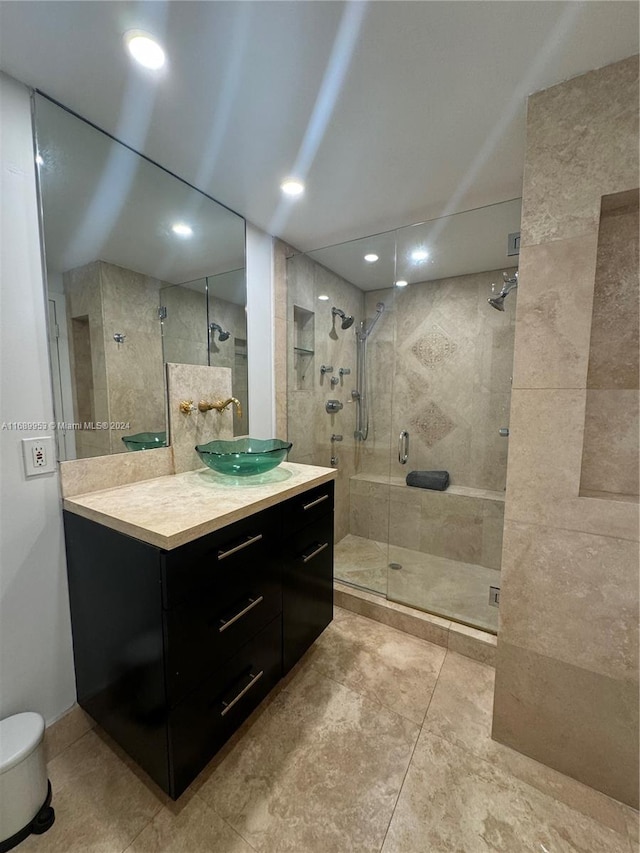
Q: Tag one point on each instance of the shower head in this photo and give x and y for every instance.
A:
(347, 320)
(509, 284)
(222, 334)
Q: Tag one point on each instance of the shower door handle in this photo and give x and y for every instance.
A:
(403, 447)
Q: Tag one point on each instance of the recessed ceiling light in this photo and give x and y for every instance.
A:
(292, 187)
(182, 230)
(144, 49)
(401, 283)
(371, 257)
(419, 255)
(323, 297)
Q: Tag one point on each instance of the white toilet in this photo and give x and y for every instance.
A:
(25, 792)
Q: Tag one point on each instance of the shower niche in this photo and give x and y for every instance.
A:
(610, 449)
(303, 347)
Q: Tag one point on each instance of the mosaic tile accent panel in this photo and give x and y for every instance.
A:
(432, 423)
(435, 348)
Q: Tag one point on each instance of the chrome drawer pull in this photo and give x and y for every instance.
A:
(250, 541)
(253, 678)
(307, 557)
(316, 502)
(253, 602)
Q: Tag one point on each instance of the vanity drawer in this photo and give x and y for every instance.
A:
(198, 638)
(203, 721)
(307, 588)
(307, 507)
(211, 564)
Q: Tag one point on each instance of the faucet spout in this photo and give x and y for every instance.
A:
(220, 405)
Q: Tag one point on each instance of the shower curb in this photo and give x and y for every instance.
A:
(470, 642)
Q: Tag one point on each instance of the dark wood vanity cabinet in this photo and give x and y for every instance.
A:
(174, 649)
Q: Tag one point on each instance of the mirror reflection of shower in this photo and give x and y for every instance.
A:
(347, 320)
(508, 285)
(361, 393)
(223, 335)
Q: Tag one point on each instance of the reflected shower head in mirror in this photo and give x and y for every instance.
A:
(222, 335)
(347, 320)
(497, 302)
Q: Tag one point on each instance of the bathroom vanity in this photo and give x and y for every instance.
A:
(190, 599)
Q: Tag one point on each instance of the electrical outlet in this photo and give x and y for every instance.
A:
(38, 456)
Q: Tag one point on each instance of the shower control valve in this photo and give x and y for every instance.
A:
(335, 380)
(344, 371)
(326, 368)
(335, 437)
(333, 406)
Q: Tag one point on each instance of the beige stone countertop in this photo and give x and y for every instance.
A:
(172, 510)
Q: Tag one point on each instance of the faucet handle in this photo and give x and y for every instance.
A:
(187, 406)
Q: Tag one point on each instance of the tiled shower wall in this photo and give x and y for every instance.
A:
(309, 426)
(567, 660)
(441, 364)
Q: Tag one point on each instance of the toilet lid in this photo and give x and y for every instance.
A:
(19, 735)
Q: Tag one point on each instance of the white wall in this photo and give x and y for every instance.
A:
(260, 332)
(36, 664)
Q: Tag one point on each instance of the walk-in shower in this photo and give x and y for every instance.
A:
(428, 360)
(361, 392)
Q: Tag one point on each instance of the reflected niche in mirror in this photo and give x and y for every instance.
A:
(132, 258)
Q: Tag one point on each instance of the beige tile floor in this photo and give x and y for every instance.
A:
(438, 585)
(377, 741)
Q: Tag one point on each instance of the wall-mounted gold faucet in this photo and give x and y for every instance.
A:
(220, 405)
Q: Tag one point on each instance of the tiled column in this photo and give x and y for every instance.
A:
(567, 662)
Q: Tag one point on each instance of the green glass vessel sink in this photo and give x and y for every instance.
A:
(243, 457)
(145, 440)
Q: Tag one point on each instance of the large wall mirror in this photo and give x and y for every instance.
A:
(142, 270)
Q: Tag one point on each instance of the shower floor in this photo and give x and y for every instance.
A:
(437, 585)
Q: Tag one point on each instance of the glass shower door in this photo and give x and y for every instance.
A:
(448, 381)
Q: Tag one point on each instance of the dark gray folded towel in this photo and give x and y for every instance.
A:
(438, 480)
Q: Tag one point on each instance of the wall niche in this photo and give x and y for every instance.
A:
(303, 347)
(610, 455)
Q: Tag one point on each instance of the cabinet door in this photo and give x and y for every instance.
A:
(200, 636)
(205, 719)
(208, 566)
(307, 591)
(116, 619)
(308, 507)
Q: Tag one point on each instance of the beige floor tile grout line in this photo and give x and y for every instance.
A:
(395, 805)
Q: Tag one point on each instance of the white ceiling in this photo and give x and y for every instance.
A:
(393, 112)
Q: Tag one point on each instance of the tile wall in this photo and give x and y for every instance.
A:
(309, 426)
(567, 659)
(114, 382)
